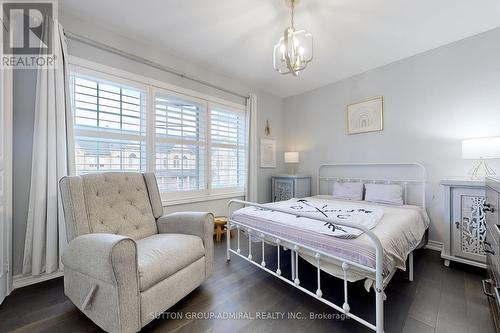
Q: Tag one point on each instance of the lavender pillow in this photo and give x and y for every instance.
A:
(391, 194)
(347, 191)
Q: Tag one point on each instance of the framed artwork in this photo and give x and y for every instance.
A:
(365, 116)
(267, 153)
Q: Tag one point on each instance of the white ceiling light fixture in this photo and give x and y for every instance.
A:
(295, 49)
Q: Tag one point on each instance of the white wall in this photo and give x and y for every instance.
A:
(269, 107)
(432, 101)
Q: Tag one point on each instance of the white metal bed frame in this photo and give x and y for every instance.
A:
(296, 247)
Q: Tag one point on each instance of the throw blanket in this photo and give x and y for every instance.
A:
(334, 211)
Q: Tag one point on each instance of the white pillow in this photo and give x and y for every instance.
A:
(348, 191)
(384, 193)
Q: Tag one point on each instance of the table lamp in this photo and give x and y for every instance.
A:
(481, 149)
(292, 158)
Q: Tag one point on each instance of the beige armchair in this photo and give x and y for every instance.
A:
(126, 263)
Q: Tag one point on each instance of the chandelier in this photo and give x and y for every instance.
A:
(294, 50)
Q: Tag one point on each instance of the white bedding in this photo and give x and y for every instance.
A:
(351, 212)
(400, 231)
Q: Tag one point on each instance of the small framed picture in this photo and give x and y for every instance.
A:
(365, 116)
(267, 153)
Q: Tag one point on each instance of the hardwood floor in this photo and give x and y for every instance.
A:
(439, 300)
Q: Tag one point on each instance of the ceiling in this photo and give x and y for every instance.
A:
(236, 37)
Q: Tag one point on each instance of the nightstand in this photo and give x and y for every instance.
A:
(464, 217)
(285, 187)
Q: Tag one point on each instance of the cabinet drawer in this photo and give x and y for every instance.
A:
(493, 233)
(491, 206)
(492, 254)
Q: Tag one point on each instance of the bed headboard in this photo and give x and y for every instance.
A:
(411, 176)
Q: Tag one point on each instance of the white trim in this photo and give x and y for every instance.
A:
(208, 155)
(434, 245)
(227, 108)
(94, 66)
(461, 260)
(152, 88)
(463, 182)
(108, 77)
(150, 129)
(212, 197)
(184, 195)
(23, 281)
(109, 134)
(6, 95)
(172, 93)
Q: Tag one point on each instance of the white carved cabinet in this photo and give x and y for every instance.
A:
(285, 187)
(464, 216)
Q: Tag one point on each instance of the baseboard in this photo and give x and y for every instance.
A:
(462, 260)
(20, 281)
(434, 245)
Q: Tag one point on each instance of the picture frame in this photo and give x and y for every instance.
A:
(267, 153)
(366, 116)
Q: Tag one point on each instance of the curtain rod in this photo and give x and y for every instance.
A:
(150, 63)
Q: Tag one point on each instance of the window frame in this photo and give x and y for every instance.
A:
(151, 86)
(211, 106)
(190, 194)
(111, 134)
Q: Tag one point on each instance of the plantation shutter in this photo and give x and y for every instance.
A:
(228, 148)
(110, 125)
(180, 143)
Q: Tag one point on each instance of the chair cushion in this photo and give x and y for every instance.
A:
(159, 256)
(118, 203)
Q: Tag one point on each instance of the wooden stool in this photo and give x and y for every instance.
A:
(220, 227)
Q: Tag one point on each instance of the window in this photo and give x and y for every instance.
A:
(180, 141)
(228, 148)
(197, 148)
(110, 126)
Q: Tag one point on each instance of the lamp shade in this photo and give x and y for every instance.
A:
(481, 148)
(292, 157)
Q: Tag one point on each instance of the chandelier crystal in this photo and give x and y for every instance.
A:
(294, 50)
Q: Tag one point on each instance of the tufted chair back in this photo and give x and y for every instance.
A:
(122, 203)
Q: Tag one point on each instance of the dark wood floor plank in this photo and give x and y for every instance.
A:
(440, 299)
(425, 304)
(415, 326)
(478, 312)
(452, 315)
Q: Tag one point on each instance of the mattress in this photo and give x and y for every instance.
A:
(400, 230)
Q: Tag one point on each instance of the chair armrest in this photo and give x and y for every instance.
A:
(192, 223)
(102, 280)
(102, 256)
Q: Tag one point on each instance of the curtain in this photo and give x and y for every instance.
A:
(52, 136)
(251, 189)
